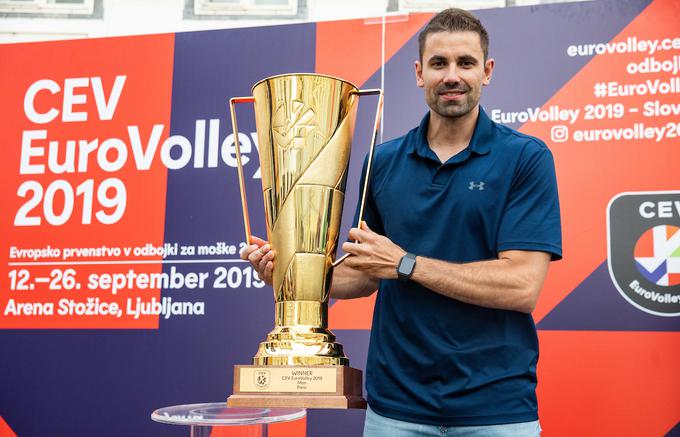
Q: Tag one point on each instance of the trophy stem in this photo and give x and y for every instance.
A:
(301, 337)
(301, 312)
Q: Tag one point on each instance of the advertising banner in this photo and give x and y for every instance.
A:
(121, 288)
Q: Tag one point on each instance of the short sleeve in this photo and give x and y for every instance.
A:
(531, 218)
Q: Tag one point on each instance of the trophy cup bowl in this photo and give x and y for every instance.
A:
(305, 124)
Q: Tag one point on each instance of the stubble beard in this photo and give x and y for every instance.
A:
(453, 109)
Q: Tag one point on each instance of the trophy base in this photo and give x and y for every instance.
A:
(297, 386)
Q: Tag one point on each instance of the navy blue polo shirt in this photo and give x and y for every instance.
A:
(433, 359)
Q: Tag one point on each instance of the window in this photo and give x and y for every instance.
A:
(438, 5)
(59, 7)
(246, 7)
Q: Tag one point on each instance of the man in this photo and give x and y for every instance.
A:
(461, 222)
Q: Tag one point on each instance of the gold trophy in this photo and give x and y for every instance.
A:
(304, 124)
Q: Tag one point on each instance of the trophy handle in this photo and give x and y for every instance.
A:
(241, 180)
(376, 125)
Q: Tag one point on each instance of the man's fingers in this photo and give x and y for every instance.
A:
(358, 234)
(262, 264)
(268, 272)
(246, 251)
(267, 258)
(257, 241)
(256, 255)
(261, 256)
(352, 248)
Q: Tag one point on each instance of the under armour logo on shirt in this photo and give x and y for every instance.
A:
(474, 186)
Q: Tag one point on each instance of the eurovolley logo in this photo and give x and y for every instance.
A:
(657, 255)
(643, 242)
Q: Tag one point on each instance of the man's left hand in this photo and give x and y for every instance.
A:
(374, 254)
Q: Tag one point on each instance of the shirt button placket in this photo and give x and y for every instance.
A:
(440, 177)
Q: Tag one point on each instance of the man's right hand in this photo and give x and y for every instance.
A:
(261, 257)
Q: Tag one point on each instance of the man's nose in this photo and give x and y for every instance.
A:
(451, 75)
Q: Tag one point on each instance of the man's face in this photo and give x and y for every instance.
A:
(453, 72)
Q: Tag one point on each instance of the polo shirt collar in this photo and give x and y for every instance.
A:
(479, 143)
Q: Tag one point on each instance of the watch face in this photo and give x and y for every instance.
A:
(406, 265)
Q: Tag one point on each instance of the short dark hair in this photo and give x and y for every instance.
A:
(454, 20)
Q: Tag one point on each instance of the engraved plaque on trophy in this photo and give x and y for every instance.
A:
(304, 124)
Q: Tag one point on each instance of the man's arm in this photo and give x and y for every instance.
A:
(511, 282)
(351, 283)
(347, 283)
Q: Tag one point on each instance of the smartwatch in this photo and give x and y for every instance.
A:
(406, 266)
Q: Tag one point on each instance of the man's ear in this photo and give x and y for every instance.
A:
(488, 71)
(419, 74)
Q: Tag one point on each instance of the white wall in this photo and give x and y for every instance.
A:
(135, 17)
